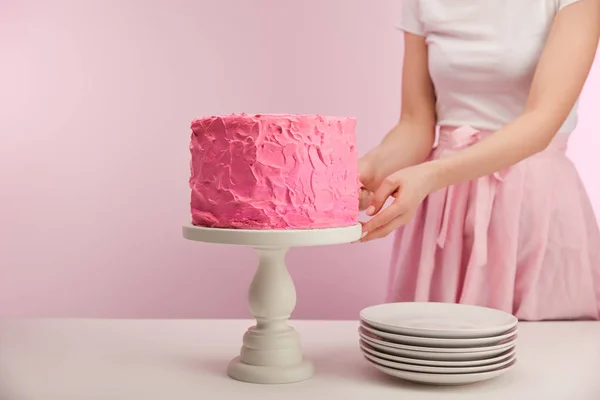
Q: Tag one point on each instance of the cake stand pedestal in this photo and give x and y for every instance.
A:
(271, 351)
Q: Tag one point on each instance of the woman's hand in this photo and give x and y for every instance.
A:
(409, 187)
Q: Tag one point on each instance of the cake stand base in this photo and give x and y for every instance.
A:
(271, 351)
(241, 371)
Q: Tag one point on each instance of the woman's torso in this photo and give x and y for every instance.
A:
(483, 55)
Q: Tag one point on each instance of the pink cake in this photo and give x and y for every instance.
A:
(274, 172)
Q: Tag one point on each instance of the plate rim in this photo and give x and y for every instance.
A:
(427, 362)
(510, 335)
(491, 367)
(478, 349)
(483, 376)
(439, 332)
(437, 356)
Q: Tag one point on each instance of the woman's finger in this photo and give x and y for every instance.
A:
(384, 217)
(364, 198)
(385, 230)
(388, 188)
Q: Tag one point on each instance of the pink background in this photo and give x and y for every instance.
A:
(96, 98)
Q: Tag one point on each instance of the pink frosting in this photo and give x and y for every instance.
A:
(274, 172)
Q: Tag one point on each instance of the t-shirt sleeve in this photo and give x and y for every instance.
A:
(410, 20)
(563, 3)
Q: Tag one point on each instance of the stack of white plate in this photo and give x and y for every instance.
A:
(438, 343)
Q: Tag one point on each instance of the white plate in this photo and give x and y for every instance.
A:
(439, 370)
(435, 363)
(444, 354)
(505, 344)
(442, 342)
(443, 379)
(438, 320)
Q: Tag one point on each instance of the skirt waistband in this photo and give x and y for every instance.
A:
(458, 138)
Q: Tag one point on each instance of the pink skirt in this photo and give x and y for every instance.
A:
(524, 240)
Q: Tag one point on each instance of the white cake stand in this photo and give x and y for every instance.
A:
(271, 351)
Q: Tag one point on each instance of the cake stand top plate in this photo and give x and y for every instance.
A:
(273, 238)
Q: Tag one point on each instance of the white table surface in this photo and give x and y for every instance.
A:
(187, 359)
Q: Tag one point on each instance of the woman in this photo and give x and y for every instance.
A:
(496, 215)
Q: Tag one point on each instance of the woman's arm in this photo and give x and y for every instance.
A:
(560, 75)
(411, 140)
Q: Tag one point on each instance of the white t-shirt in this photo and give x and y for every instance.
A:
(482, 55)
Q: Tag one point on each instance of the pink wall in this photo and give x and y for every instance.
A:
(96, 99)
